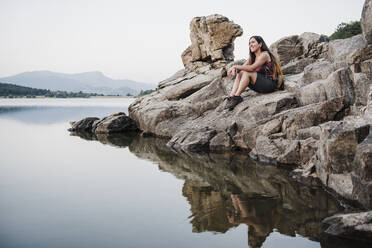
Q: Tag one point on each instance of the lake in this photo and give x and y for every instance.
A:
(80, 190)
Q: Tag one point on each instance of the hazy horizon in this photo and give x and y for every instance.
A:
(143, 40)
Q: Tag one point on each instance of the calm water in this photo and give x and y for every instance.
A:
(62, 190)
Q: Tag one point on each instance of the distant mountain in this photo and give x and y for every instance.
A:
(12, 90)
(89, 82)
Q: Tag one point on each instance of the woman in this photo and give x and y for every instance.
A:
(259, 72)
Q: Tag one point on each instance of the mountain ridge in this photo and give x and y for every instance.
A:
(89, 82)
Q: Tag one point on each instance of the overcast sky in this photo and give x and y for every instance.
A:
(143, 40)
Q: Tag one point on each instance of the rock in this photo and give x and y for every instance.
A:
(212, 40)
(338, 143)
(310, 132)
(366, 21)
(306, 176)
(188, 87)
(366, 67)
(287, 49)
(342, 184)
(359, 56)
(337, 165)
(192, 141)
(316, 71)
(293, 82)
(340, 50)
(361, 85)
(268, 150)
(309, 116)
(297, 66)
(187, 56)
(305, 48)
(115, 123)
(308, 125)
(362, 174)
(310, 42)
(277, 140)
(84, 125)
(355, 226)
(368, 108)
(338, 84)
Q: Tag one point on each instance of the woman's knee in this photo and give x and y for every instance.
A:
(244, 75)
(240, 74)
(252, 77)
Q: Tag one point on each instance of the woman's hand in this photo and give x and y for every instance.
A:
(232, 71)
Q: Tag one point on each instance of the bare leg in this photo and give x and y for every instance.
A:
(236, 83)
(246, 78)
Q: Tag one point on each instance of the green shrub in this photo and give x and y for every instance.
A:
(346, 30)
(145, 92)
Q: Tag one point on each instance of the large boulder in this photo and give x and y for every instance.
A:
(212, 40)
(115, 123)
(84, 125)
(287, 48)
(337, 84)
(339, 51)
(366, 21)
(362, 174)
(337, 163)
(297, 47)
(351, 226)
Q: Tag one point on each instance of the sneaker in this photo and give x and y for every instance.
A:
(233, 101)
(228, 101)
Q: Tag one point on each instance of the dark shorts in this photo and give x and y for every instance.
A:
(263, 84)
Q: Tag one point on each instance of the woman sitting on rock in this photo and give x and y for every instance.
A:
(259, 72)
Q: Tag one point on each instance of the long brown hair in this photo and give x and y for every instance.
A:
(264, 47)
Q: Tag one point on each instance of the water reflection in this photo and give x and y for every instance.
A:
(51, 111)
(226, 190)
(52, 115)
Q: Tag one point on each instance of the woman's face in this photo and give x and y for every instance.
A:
(254, 45)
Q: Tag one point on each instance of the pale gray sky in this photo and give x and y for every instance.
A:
(143, 40)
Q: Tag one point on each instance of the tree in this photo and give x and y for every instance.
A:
(145, 92)
(346, 30)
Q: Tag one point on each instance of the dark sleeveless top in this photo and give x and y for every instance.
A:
(266, 69)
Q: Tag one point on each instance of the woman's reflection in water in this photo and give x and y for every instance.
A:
(260, 214)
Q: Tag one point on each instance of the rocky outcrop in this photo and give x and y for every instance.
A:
(115, 123)
(367, 21)
(319, 124)
(212, 40)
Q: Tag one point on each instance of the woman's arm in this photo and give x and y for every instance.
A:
(232, 71)
(248, 62)
(260, 60)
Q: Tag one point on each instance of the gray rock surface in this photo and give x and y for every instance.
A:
(287, 49)
(115, 123)
(309, 125)
(366, 21)
(321, 123)
(212, 40)
(84, 125)
(353, 226)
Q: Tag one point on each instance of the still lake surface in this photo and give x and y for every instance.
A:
(64, 190)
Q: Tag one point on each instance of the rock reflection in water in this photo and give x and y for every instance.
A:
(226, 190)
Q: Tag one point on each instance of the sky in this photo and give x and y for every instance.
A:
(143, 40)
